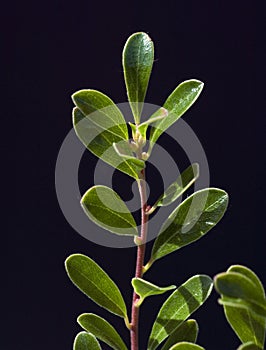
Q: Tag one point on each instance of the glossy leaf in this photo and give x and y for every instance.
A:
(186, 346)
(187, 331)
(102, 330)
(259, 309)
(138, 56)
(248, 346)
(176, 104)
(99, 141)
(177, 188)
(106, 209)
(178, 307)
(191, 220)
(95, 283)
(86, 341)
(145, 289)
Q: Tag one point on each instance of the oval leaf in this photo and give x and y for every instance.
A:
(145, 289)
(249, 274)
(86, 341)
(95, 283)
(237, 285)
(178, 307)
(102, 330)
(187, 331)
(177, 188)
(248, 346)
(186, 346)
(191, 220)
(106, 209)
(138, 55)
(176, 104)
(100, 142)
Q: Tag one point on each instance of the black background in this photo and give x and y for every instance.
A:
(53, 49)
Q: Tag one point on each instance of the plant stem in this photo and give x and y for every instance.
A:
(134, 332)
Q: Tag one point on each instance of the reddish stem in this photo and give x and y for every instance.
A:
(134, 331)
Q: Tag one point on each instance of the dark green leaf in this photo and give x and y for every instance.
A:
(176, 104)
(95, 283)
(86, 341)
(178, 307)
(106, 209)
(102, 330)
(187, 331)
(248, 346)
(186, 346)
(100, 141)
(177, 188)
(249, 274)
(138, 55)
(191, 220)
(145, 289)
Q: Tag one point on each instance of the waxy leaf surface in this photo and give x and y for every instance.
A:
(186, 346)
(102, 330)
(86, 341)
(177, 188)
(176, 104)
(145, 289)
(99, 123)
(191, 220)
(108, 210)
(187, 331)
(138, 56)
(178, 307)
(95, 283)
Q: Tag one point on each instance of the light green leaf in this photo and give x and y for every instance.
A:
(187, 331)
(176, 104)
(138, 55)
(177, 188)
(186, 346)
(254, 308)
(178, 307)
(249, 274)
(106, 209)
(248, 346)
(191, 220)
(95, 283)
(124, 150)
(99, 140)
(102, 330)
(145, 289)
(86, 341)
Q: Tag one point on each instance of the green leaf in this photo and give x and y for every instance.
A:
(187, 331)
(236, 285)
(102, 330)
(99, 139)
(248, 346)
(86, 341)
(104, 207)
(191, 220)
(176, 104)
(138, 55)
(244, 305)
(177, 188)
(95, 283)
(249, 274)
(186, 346)
(178, 307)
(145, 289)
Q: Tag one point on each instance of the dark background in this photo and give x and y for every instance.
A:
(55, 48)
